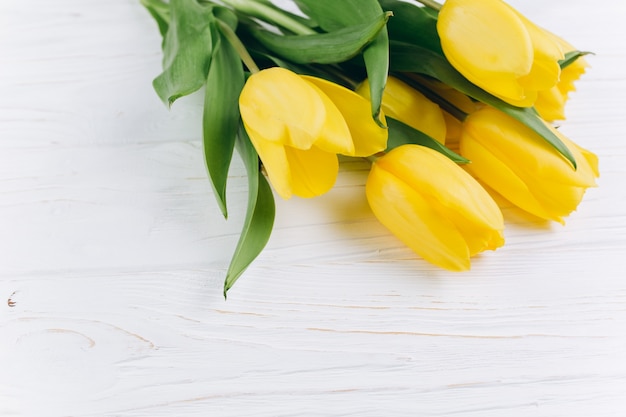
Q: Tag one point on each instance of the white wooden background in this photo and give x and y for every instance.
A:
(112, 256)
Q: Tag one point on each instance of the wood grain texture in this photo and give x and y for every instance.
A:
(113, 254)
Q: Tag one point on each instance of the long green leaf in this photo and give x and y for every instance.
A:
(412, 24)
(260, 214)
(323, 48)
(571, 57)
(265, 59)
(332, 15)
(376, 57)
(300, 19)
(221, 115)
(412, 58)
(187, 50)
(160, 11)
(268, 12)
(226, 16)
(312, 70)
(402, 134)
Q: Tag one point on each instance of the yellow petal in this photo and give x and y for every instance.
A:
(275, 162)
(478, 237)
(557, 199)
(441, 180)
(458, 99)
(487, 42)
(573, 71)
(587, 162)
(530, 97)
(335, 136)
(281, 107)
(416, 187)
(415, 221)
(520, 148)
(404, 103)
(550, 104)
(292, 171)
(547, 52)
(519, 164)
(453, 131)
(313, 171)
(570, 74)
(543, 75)
(500, 177)
(590, 157)
(367, 136)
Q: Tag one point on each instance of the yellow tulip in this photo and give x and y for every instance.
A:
(298, 130)
(456, 99)
(367, 136)
(520, 165)
(551, 103)
(433, 206)
(406, 104)
(498, 49)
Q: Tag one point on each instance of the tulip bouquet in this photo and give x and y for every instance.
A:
(452, 103)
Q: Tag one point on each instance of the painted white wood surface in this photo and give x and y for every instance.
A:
(112, 256)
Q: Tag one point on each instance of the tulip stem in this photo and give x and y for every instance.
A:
(333, 71)
(234, 40)
(433, 96)
(270, 14)
(430, 3)
(372, 158)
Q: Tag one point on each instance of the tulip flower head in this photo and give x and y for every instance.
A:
(406, 104)
(368, 137)
(550, 103)
(433, 206)
(299, 124)
(498, 49)
(518, 164)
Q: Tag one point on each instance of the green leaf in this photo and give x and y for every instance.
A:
(260, 214)
(412, 24)
(227, 16)
(187, 50)
(376, 57)
(402, 134)
(160, 11)
(571, 57)
(323, 48)
(412, 58)
(221, 115)
(333, 15)
(272, 14)
(300, 19)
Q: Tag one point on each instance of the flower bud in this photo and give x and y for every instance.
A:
(433, 206)
(550, 103)
(299, 124)
(520, 165)
(498, 49)
(406, 104)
